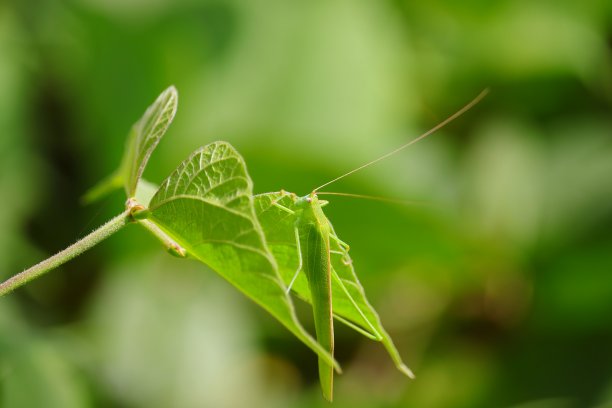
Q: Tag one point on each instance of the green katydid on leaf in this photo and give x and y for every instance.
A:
(142, 140)
(302, 238)
(349, 303)
(206, 207)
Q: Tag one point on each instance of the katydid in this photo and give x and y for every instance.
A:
(293, 223)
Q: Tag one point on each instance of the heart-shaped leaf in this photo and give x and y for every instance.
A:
(206, 206)
(349, 302)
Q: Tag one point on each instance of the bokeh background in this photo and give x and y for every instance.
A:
(497, 288)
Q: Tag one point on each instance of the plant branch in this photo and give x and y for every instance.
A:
(67, 254)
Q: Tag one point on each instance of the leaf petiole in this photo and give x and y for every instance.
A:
(171, 246)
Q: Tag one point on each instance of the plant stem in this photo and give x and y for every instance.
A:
(67, 254)
(171, 245)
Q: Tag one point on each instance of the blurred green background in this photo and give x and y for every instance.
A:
(497, 290)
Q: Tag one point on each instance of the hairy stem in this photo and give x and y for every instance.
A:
(67, 254)
(171, 245)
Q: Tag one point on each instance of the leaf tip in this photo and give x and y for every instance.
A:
(172, 93)
(406, 371)
(172, 96)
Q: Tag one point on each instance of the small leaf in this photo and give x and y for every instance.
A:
(145, 135)
(142, 140)
(349, 303)
(206, 206)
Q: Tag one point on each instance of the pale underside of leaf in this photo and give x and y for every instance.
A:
(145, 135)
(206, 206)
(349, 303)
(143, 138)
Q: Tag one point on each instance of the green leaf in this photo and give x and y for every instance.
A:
(142, 140)
(206, 206)
(145, 135)
(349, 303)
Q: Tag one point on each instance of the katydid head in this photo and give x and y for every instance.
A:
(308, 200)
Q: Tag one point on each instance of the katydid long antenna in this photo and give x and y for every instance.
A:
(374, 198)
(440, 125)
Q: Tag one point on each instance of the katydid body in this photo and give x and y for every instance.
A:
(312, 235)
(330, 278)
(298, 225)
